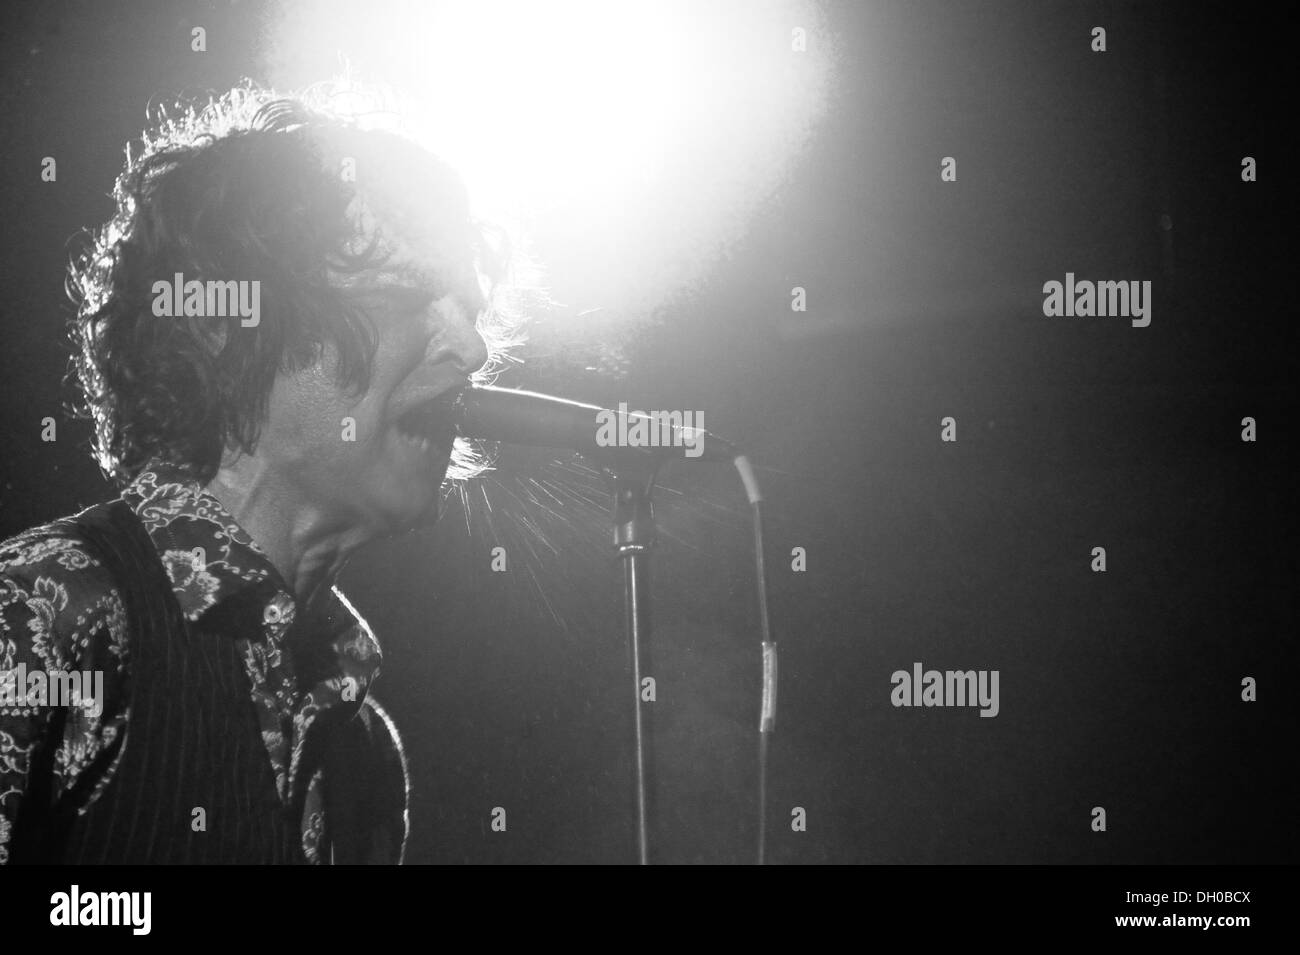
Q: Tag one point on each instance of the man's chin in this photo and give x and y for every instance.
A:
(422, 507)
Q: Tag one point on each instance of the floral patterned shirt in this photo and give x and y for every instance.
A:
(61, 611)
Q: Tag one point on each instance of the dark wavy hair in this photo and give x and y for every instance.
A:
(239, 186)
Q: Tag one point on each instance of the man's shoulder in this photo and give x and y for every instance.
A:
(59, 549)
(58, 597)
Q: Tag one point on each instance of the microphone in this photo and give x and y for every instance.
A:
(526, 417)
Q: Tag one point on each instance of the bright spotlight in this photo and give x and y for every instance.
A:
(631, 137)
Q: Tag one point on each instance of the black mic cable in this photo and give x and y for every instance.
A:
(767, 709)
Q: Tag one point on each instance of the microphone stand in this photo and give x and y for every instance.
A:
(631, 481)
(524, 417)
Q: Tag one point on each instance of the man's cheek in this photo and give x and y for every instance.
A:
(361, 433)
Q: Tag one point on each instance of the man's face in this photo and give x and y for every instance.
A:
(375, 462)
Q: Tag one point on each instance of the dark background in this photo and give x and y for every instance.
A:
(1119, 690)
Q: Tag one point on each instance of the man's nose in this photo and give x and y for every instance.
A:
(459, 339)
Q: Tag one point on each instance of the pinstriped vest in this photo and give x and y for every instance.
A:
(192, 740)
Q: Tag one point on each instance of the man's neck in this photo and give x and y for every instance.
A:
(306, 544)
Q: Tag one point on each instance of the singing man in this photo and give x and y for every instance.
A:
(269, 334)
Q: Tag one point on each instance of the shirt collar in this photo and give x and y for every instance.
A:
(216, 568)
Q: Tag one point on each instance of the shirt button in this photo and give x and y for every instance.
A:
(274, 612)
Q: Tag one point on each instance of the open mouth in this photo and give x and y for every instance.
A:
(430, 424)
